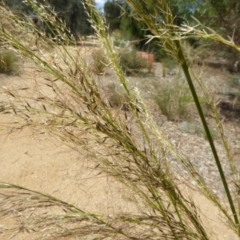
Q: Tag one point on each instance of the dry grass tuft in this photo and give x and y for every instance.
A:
(9, 63)
(100, 61)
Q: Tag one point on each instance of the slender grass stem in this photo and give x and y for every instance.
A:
(184, 65)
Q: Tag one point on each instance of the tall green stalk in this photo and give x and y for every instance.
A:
(184, 66)
(166, 32)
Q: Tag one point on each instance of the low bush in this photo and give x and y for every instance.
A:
(168, 66)
(132, 64)
(9, 63)
(173, 99)
(117, 97)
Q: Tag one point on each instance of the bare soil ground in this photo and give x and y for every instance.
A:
(41, 162)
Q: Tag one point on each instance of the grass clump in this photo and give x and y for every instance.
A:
(117, 96)
(131, 63)
(9, 62)
(168, 66)
(173, 99)
(100, 61)
(120, 40)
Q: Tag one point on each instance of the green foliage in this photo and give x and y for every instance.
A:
(169, 63)
(158, 51)
(173, 46)
(131, 63)
(112, 13)
(72, 12)
(9, 63)
(137, 31)
(132, 28)
(222, 16)
(118, 43)
(173, 99)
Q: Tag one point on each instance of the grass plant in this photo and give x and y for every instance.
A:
(132, 64)
(100, 61)
(9, 63)
(145, 169)
(117, 97)
(168, 65)
(173, 99)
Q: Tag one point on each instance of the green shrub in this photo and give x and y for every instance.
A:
(168, 64)
(120, 39)
(158, 51)
(9, 63)
(119, 43)
(173, 99)
(131, 63)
